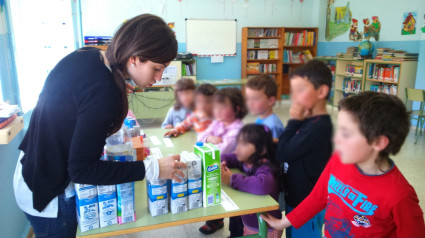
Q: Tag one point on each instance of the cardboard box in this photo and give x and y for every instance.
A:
(211, 173)
(157, 196)
(125, 203)
(87, 206)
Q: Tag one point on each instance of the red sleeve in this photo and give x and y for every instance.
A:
(186, 124)
(315, 201)
(408, 217)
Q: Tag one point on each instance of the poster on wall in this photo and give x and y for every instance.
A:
(371, 29)
(2, 18)
(409, 23)
(355, 35)
(338, 19)
(423, 28)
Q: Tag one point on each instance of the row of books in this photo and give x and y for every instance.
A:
(351, 53)
(354, 70)
(263, 43)
(263, 32)
(389, 54)
(388, 89)
(304, 38)
(97, 40)
(188, 69)
(262, 54)
(257, 67)
(297, 57)
(349, 85)
(384, 72)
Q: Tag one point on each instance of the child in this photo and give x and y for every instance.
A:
(201, 118)
(183, 93)
(364, 193)
(255, 156)
(305, 146)
(260, 93)
(229, 110)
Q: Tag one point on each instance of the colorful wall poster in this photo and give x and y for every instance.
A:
(409, 23)
(371, 29)
(355, 35)
(338, 19)
(423, 28)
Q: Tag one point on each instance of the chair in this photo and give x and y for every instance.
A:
(417, 95)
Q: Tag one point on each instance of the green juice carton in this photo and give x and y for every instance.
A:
(211, 173)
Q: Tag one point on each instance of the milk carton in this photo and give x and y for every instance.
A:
(194, 179)
(178, 193)
(87, 209)
(125, 203)
(157, 196)
(211, 173)
(107, 196)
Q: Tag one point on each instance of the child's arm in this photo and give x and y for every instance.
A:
(181, 127)
(309, 207)
(168, 118)
(408, 217)
(231, 161)
(208, 132)
(228, 141)
(262, 183)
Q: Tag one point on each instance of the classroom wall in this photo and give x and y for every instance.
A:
(103, 18)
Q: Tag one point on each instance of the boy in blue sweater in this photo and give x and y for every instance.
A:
(305, 146)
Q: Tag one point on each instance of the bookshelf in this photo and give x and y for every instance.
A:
(390, 77)
(263, 52)
(331, 63)
(348, 78)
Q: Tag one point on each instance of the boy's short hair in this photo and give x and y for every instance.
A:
(206, 89)
(182, 85)
(316, 72)
(379, 114)
(236, 99)
(265, 83)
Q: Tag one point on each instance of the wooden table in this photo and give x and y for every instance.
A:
(247, 203)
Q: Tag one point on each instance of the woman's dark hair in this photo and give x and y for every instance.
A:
(262, 139)
(182, 85)
(145, 36)
(236, 99)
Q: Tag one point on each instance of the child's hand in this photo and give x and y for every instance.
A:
(275, 140)
(226, 174)
(169, 126)
(278, 224)
(214, 140)
(297, 112)
(173, 132)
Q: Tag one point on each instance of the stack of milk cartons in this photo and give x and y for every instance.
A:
(107, 196)
(87, 206)
(178, 192)
(125, 192)
(157, 194)
(194, 179)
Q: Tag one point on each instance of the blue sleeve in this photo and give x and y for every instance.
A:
(168, 118)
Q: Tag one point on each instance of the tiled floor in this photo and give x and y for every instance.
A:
(410, 160)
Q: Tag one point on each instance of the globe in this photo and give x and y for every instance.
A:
(366, 48)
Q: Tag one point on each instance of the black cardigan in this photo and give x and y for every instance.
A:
(306, 147)
(68, 128)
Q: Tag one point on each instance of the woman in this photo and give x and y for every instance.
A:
(83, 101)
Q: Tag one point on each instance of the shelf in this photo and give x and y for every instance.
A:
(383, 62)
(343, 91)
(292, 63)
(348, 76)
(381, 81)
(263, 48)
(10, 131)
(263, 37)
(253, 60)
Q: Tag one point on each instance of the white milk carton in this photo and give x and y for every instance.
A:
(211, 173)
(107, 196)
(157, 196)
(178, 193)
(87, 206)
(194, 179)
(125, 203)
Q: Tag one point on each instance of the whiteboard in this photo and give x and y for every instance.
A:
(211, 37)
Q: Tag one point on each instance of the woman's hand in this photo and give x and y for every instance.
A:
(173, 132)
(226, 174)
(214, 140)
(169, 167)
(169, 126)
(278, 224)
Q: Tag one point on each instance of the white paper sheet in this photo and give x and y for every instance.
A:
(227, 203)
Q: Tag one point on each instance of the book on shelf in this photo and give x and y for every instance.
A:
(384, 72)
(385, 88)
(304, 38)
(262, 43)
(388, 54)
(263, 32)
(257, 68)
(349, 85)
(354, 70)
(262, 54)
(298, 57)
(188, 69)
